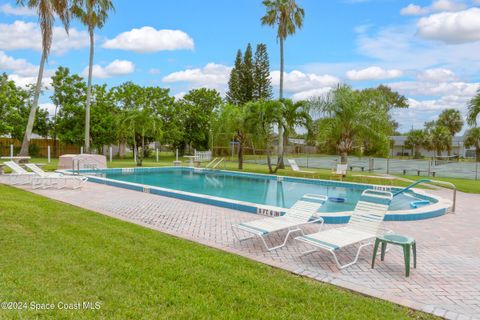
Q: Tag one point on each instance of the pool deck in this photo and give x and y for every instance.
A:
(445, 283)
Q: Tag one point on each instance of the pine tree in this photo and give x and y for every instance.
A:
(261, 75)
(233, 94)
(246, 76)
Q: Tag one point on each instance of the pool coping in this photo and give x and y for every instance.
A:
(441, 207)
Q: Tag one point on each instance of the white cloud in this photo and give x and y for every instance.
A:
(297, 81)
(154, 71)
(49, 106)
(451, 27)
(398, 47)
(19, 66)
(115, 68)
(308, 94)
(8, 9)
(211, 75)
(437, 6)
(24, 81)
(412, 10)
(26, 35)
(420, 88)
(437, 75)
(148, 39)
(373, 73)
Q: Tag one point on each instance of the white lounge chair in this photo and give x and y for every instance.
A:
(340, 171)
(19, 175)
(302, 212)
(49, 179)
(296, 168)
(365, 224)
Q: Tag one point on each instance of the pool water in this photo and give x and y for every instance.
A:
(256, 189)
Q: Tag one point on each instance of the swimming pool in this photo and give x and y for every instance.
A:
(258, 193)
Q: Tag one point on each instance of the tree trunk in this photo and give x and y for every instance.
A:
(240, 156)
(343, 157)
(477, 153)
(89, 94)
(280, 164)
(34, 107)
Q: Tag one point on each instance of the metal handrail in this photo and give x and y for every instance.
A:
(216, 164)
(445, 183)
(210, 163)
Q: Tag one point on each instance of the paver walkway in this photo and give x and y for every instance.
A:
(446, 281)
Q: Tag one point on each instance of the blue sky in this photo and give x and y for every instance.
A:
(426, 50)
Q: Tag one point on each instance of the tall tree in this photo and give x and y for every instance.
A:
(438, 139)
(246, 76)
(69, 99)
(350, 117)
(196, 109)
(472, 139)
(415, 140)
(452, 120)
(261, 74)
(93, 14)
(14, 110)
(474, 109)
(233, 93)
(231, 124)
(287, 16)
(295, 115)
(47, 10)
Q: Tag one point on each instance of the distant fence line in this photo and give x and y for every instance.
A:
(465, 168)
(38, 147)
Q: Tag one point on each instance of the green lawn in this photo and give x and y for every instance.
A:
(52, 252)
(465, 185)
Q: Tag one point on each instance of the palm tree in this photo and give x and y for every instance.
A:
(287, 16)
(472, 139)
(415, 140)
(439, 139)
(452, 120)
(47, 10)
(93, 14)
(474, 109)
(295, 115)
(350, 117)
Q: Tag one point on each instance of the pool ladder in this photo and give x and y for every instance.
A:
(445, 183)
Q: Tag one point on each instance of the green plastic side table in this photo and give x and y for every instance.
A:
(408, 244)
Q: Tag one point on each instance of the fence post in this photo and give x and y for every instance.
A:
(388, 165)
(156, 151)
(81, 150)
(11, 151)
(48, 153)
(111, 153)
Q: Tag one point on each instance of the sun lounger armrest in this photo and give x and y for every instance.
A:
(316, 220)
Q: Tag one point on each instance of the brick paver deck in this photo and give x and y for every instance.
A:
(446, 281)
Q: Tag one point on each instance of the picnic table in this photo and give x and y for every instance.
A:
(418, 171)
(360, 166)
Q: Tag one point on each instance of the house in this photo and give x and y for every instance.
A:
(458, 148)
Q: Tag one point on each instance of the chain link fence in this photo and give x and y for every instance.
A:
(460, 168)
